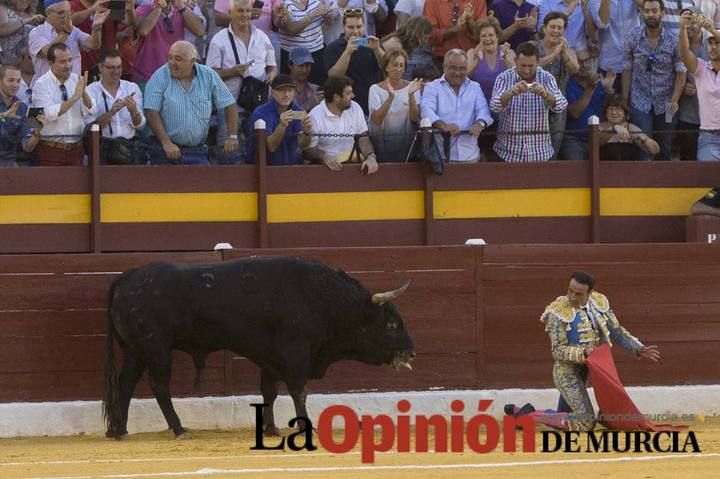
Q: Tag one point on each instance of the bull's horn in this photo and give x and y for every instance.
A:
(380, 298)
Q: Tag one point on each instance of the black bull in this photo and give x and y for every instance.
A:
(291, 317)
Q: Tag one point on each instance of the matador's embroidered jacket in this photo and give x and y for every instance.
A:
(573, 330)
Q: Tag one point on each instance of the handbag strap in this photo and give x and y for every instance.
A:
(107, 110)
(234, 47)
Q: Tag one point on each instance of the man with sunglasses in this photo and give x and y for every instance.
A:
(451, 21)
(654, 77)
(66, 103)
(118, 102)
(356, 56)
(59, 29)
(161, 23)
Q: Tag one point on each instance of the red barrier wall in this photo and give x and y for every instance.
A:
(472, 312)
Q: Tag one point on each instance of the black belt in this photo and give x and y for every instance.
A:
(201, 145)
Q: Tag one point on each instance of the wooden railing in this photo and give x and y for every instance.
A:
(190, 208)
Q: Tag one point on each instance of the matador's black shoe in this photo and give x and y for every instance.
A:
(708, 204)
(514, 411)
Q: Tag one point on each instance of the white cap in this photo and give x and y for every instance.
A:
(222, 246)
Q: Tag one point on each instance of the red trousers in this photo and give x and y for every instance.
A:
(59, 154)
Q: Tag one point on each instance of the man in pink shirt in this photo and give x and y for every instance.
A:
(161, 24)
(707, 83)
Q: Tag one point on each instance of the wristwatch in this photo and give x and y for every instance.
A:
(233, 137)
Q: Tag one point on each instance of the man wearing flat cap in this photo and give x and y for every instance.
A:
(287, 125)
(58, 28)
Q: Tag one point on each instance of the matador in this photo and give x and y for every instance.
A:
(577, 323)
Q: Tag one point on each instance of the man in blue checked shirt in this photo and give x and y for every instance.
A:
(178, 103)
(454, 103)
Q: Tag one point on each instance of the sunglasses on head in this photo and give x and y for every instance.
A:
(651, 59)
(353, 12)
(455, 12)
(168, 25)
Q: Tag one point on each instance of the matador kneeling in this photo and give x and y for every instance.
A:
(578, 323)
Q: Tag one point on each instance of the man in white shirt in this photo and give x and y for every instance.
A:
(255, 57)
(58, 28)
(339, 114)
(62, 95)
(454, 104)
(118, 104)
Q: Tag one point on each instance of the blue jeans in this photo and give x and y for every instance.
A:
(649, 123)
(8, 163)
(574, 148)
(196, 155)
(708, 147)
(238, 156)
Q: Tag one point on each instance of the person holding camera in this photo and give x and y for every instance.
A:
(523, 97)
(161, 23)
(356, 56)
(241, 54)
(122, 15)
(14, 129)
(119, 111)
(707, 90)
(287, 125)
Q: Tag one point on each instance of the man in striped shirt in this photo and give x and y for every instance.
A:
(523, 96)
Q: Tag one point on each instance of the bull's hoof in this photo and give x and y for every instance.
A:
(272, 431)
(117, 436)
(182, 436)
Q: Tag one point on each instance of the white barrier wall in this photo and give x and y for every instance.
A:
(663, 404)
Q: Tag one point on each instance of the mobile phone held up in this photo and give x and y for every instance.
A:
(32, 115)
(117, 10)
(361, 42)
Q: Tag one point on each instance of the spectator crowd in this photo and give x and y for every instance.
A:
(336, 81)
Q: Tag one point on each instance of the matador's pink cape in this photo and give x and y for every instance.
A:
(617, 410)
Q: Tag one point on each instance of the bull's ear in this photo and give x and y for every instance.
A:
(380, 298)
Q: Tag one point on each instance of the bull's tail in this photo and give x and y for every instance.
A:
(111, 407)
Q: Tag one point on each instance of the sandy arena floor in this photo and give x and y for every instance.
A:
(225, 454)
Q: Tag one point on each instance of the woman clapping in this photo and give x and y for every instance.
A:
(394, 109)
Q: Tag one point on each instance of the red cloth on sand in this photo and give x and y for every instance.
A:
(617, 409)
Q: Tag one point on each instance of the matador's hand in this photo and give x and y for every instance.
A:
(649, 352)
